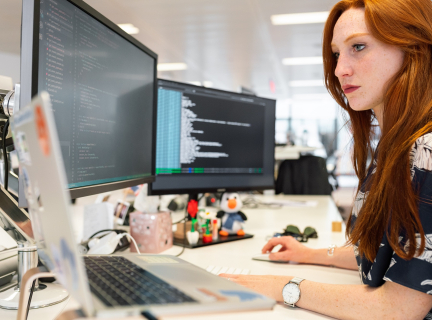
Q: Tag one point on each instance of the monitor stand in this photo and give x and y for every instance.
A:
(45, 295)
(200, 243)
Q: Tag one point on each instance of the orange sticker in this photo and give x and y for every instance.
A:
(42, 130)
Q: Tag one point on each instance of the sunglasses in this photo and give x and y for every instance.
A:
(294, 232)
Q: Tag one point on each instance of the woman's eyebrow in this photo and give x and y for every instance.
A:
(354, 35)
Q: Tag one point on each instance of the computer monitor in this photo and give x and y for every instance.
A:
(212, 141)
(102, 84)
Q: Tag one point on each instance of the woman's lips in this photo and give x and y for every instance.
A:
(350, 89)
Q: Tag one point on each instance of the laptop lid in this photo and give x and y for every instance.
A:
(40, 159)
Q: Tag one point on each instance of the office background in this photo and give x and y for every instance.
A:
(230, 44)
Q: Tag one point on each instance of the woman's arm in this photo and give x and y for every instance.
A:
(390, 301)
(292, 250)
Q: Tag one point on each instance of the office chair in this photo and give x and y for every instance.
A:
(307, 175)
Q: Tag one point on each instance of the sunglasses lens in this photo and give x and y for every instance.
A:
(310, 232)
(292, 229)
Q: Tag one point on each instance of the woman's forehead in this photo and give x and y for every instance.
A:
(351, 22)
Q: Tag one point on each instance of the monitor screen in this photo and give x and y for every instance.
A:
(102, 87)
(212, 140)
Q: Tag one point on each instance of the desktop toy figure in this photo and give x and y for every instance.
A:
(232, 218)
(192, 235)
(207, 216)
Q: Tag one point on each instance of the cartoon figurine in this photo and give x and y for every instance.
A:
(232, 218)
(207, 216)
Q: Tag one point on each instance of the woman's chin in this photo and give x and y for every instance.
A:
(358, 107)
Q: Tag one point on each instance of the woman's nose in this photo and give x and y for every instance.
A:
(343, 67)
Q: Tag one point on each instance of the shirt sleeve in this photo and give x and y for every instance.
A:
(417, 272)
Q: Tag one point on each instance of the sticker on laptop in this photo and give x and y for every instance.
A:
(69, 263)
(65, 265)
(22, 117)
(22, 148)
(58, 266)
(153, 259)
(42, 131)
(242, 295)
(210, 296)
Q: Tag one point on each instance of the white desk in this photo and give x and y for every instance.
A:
(291, 152)
(263, 223)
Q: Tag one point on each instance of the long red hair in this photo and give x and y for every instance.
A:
(392, 203)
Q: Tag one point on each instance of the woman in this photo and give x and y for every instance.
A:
(378, 67)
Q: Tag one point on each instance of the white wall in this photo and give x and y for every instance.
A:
(10, 66)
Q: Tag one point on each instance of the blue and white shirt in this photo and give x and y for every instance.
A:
(388, 266)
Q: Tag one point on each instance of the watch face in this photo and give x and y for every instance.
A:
(291, 293)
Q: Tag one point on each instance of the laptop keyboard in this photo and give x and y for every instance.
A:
(116, 281)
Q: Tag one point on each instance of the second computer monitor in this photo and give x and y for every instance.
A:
(211, 140)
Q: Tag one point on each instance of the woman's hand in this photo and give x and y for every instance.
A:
(270, 286)
(291, 250)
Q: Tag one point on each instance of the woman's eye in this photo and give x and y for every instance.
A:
(336, 55)
(359, 47)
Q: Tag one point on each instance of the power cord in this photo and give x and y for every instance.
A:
(121, 235)
(5, 157)
(180, 221)
(30, 298)
(184, 233)
(100, 231)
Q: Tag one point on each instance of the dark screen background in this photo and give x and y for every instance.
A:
(102, 92)
(240, 143)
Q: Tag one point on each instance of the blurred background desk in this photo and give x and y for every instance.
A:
(291, 152)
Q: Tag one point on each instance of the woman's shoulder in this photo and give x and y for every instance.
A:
(421, 153)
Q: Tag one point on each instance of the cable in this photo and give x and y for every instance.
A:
(30, 298)
(5, 158)
(121, 235)
(183, 219)
(104, 230)
(184, 233)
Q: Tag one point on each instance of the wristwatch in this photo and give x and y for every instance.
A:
(291, 292)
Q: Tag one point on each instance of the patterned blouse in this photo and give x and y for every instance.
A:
(387, 266)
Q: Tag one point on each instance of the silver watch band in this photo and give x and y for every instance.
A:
(297, 280)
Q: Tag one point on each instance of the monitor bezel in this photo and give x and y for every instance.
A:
(29, 75)
(160, 192)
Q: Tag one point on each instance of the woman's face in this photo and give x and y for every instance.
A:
(365, 65)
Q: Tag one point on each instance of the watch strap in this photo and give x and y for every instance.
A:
(296, 280)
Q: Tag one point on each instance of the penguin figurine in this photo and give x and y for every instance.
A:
(232, 218)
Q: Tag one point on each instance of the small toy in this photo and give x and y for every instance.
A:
(207, 216)
(215, 230)
(192, 235)
(232, 218)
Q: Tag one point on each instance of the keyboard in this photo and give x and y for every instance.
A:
(218, 270)
(116, 281)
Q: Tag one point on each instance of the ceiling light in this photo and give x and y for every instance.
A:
(299, 18)
(306, 83)
(129, 28)
(171, 66)
(302, 61)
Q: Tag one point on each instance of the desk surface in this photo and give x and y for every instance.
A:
(263, 222)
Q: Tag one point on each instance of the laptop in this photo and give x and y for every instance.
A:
(108, 285)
